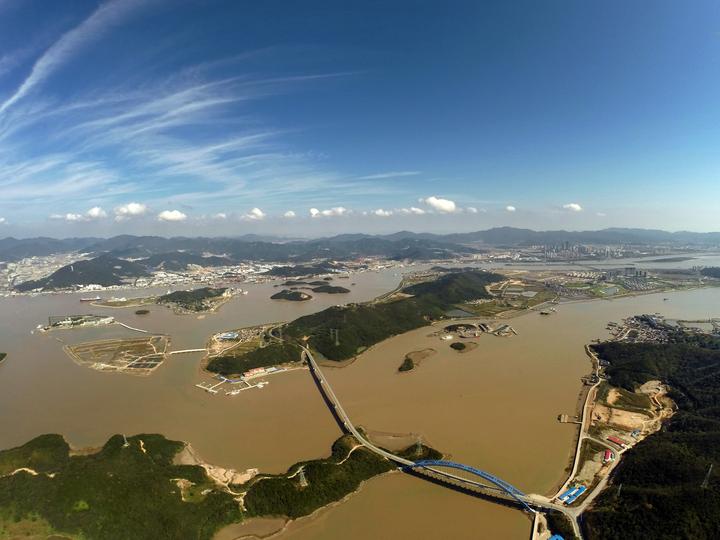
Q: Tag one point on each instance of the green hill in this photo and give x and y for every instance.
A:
(293, 296)
(104, 270)
(360, 326)
(341, 332)
(195, 300)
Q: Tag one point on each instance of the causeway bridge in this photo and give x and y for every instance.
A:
(477, 482)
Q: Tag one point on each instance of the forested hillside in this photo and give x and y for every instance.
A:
(664, 493)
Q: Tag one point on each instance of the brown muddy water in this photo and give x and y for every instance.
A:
(494, 407)
(42, 390)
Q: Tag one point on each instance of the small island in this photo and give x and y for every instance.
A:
(458, 346)
(293, 296)
(413, 359)
(142, 312)
(2, 356)
(407, 365)
(330, 289)
(196, 301)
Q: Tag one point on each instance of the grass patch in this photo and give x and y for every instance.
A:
(632, 401)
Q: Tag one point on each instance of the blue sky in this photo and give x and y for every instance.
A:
(306, 118)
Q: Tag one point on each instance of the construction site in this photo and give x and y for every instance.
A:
(137, 356)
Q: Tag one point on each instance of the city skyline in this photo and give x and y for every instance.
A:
(226, 118)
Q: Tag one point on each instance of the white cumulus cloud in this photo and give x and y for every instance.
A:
(2, 221)
(220, 215)
(171, 215)
(472, 210)
(382, 213)
(573, 207)
(68, 217)
(96, 213)
(330, 212)
(510, 208)
(289, 214)
(130, 210)
(254, 215)
(601, 214)
(445, 206)
(412, 210)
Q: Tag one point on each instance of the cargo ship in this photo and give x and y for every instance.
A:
(96, 299)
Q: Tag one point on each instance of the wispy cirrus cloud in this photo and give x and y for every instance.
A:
(186, 134)
(390, 174)
(105, 16)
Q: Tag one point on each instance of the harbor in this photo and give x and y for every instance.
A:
(220, 384)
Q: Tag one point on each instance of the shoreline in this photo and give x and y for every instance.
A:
(310, 517)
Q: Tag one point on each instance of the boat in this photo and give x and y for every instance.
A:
(96, 299)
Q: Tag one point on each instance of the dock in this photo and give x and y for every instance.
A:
(210, 386)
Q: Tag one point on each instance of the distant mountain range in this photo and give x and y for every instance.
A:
(397, 245)
(110, 264)
(254, 247)
(174, 253)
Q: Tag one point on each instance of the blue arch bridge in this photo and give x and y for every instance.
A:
(512, 491)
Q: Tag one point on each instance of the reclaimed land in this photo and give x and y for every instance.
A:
(667, 491)
(131, 491)
(326, 480)
(342, 332)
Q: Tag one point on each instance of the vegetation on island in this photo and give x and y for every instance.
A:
(271, 354)
(407, 364)
(667, 491)
(327, 480)
(458, 346)
(2, 356)
(330, 289)
(293, 296)
(132, 491)
(142, 311)
(195, 300)
(340, 333)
